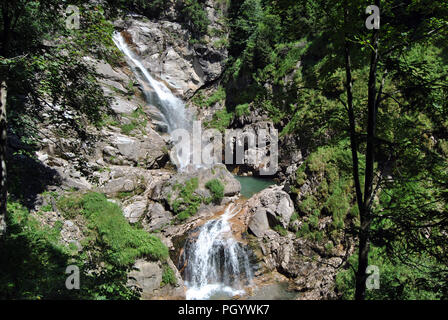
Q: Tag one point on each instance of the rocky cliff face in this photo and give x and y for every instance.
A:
(310, 265)
(167, 50)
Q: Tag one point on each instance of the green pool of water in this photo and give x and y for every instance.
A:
(252, 185)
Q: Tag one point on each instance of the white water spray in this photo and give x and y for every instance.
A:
(173, 109)
(217, 265)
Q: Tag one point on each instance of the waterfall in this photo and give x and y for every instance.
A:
(158, 94)
(216, 264)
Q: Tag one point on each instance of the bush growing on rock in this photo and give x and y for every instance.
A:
(35, 258)
(325, 187)
(124, 244)
(188, 202)
(168, 276)
(217, 189)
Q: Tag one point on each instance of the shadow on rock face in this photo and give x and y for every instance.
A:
(28, 177)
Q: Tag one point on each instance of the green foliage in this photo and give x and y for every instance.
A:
(199, 99)
(110, 241)
(294, 217)
(218, 95)
(150, 9)
(187, 202)
(195, 17)
(168, 276)
(69, 206)
(329, 247)
(46, 208)
(334, 194)
(217, 189)
(282, 231)
(398, 281)
(136, 120)
(129, 127)
(304, 230)
(242, 110)
(221, 43)
(221, 120)
(94, 36)
(123, 243)
(33, 261)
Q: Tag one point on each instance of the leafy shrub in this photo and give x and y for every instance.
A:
(242, 109)
(33, 260)
(294, 217)
(194, 17)
(221, 120)
(187, 203)
(217, 189)
(122, 242)
(397, 281)
(282, 231)
(69, 206)
(168, 276)
(217, 96)
(129, 127)
(329, 247)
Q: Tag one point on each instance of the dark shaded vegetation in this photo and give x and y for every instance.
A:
(381, 129)
(34, 259)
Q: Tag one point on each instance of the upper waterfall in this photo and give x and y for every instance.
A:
(157, 93)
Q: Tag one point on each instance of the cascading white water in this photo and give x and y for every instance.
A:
(173, 109)
(216, 264)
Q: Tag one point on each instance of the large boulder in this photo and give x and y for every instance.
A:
(146, 276)
(118, 179)
(259, 223)
(313, 274)
(269, 208)
(150, 149)
(168, 191)
(135, 208)
(157, 217)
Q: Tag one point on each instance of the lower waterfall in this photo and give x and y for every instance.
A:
(216, 264)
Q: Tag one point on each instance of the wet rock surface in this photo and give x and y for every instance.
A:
(166, 50)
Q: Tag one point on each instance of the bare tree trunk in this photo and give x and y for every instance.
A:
(351, 116)
(365, 213)
(3, 132)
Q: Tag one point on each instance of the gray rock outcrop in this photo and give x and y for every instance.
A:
(269, 207)
(146, 276)
(166, 50)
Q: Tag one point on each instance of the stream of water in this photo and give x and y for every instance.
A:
(158, 94)
(217, 266)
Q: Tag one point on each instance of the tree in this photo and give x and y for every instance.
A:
(3, 190)
(41, 69)
(392, 83)
(366, 199)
